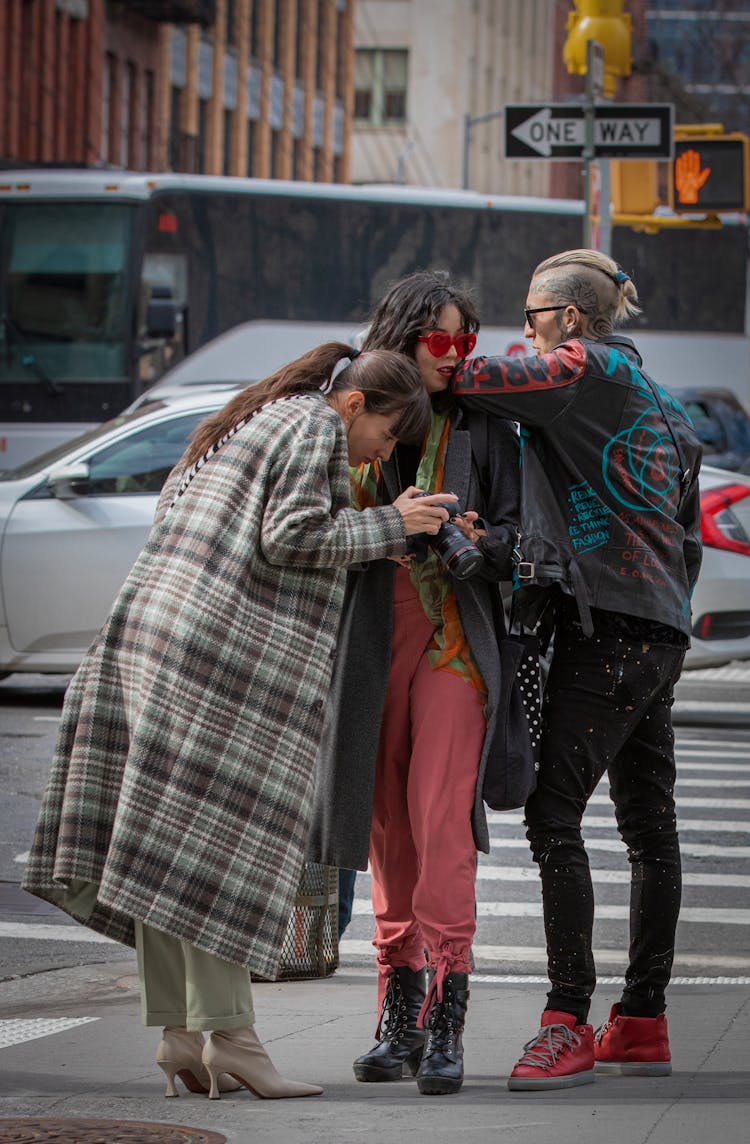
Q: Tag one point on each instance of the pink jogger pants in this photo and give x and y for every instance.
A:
(422, 851)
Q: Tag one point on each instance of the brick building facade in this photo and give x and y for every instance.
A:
(238, 87)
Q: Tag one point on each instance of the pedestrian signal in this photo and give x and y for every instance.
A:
(711, 174)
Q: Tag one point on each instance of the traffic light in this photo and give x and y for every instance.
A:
(711, 174)
(634, 186)
(605, 22)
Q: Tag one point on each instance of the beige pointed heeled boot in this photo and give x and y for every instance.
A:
(240, 1053)
(179, 1054)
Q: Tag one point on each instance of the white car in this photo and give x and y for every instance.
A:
(72, 523)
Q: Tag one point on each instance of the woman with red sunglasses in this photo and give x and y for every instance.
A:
(407, 742)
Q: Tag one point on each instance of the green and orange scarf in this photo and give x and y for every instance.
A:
(448, 650)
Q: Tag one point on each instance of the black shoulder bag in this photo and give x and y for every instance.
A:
(509, 781)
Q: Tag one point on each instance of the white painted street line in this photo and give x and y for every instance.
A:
(699, 802)
(22, 857)
(696, 914)
(18, 1032)
(730, 672)
(529, 979)
(732, 767)
(531, 874)
(705, 825)
(738, 752)
(40, 932)
(714, 784)
(354, 947)
(613, 845)
(47, 719)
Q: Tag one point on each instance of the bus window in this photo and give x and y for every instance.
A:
(159, 354)
(64, 301)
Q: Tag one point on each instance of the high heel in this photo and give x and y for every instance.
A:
(240, 1053)
(179, 1054)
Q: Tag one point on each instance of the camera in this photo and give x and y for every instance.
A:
(460, 555)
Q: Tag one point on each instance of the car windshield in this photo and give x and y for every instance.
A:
(44, 460)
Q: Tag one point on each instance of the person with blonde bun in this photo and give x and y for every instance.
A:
(608, 557)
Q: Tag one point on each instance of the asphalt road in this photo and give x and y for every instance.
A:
(713, 750)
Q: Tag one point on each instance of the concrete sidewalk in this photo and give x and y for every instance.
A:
(313, 1031)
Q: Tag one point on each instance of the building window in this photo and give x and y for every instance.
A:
(380, 86)
(298, 44)
(227, 167)
(107, 84)
(174, 128)
(341, 54)
(231, 17)
(250, 145)
(276, 58)
(320, 48)
(200, 156)
(147, 120)
(253, 45)
(126, 110)
(275, 155)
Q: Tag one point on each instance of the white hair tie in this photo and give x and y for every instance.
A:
(342, 364)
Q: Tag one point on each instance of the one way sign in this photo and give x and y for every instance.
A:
(621, 131)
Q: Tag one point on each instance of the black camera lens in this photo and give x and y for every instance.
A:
(460, 555)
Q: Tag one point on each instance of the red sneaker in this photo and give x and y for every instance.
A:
(633, 1046)
(559, 1056)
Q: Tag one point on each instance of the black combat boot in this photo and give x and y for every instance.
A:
(442, 1067)
(401, 1042)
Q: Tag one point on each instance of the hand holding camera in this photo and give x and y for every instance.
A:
(424, 512)
(457, 551)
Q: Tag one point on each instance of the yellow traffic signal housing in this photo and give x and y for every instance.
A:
(605, 22)
(634, 186)
(711, 174)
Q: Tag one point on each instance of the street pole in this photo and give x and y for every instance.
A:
(605, 207)
(593, 89)
(469, 121)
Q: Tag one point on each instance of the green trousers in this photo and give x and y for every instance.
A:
(183, 986)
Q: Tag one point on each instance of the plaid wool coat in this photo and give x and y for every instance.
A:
(182, 780)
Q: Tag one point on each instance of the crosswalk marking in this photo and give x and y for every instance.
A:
(17, 1032)
(738, 751)
(713, 788)
(705, 803)
(704, 767)
(712, 783)
(34, 931)
(701, 915)
(531, 874)
(704, 825)
(613, 845)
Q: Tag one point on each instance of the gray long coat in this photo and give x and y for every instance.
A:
(345, 778)
(182, 782)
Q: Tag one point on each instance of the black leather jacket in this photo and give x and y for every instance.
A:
(610, 508)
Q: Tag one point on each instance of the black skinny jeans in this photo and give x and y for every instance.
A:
(608, 708)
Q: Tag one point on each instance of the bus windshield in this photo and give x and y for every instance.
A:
(63, 290)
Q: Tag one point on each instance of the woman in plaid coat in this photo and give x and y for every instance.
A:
(177, 807)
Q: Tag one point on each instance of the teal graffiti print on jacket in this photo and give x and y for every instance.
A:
(589, 518)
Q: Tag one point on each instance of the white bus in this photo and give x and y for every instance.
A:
(107, 277)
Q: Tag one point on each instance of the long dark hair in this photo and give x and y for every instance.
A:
(389, 381)
(414, 303)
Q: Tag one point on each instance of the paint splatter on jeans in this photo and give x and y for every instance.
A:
(608, 709)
